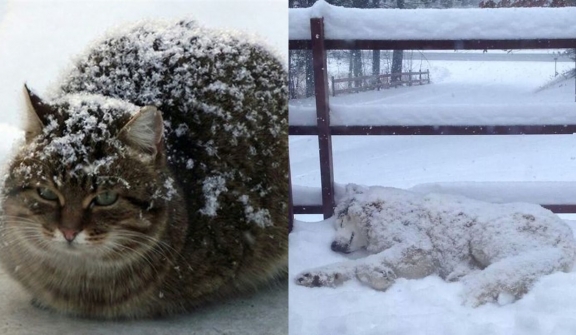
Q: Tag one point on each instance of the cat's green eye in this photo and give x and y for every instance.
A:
(106, 198)
(47, 194)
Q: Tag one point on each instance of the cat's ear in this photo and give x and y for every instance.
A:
(37, 112)
(144, 131)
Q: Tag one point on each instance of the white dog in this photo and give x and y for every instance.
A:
(493, 248)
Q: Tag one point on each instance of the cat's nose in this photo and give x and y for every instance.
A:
(69, 234)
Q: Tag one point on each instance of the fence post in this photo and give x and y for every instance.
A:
(323, 115)
(333, 87)
(290, 200)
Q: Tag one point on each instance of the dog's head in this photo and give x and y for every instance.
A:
(349, 225)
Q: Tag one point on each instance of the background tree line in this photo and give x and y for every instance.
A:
(300, 61)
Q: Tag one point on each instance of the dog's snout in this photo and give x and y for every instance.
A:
(334, 246)
(339, 247)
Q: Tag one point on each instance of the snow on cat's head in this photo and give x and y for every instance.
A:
(78, 137)
(86, 132)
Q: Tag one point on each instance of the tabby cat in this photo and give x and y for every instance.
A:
(154, 176)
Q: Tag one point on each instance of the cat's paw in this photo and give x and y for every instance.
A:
(378, 277)
(319, 279)
(34, 302)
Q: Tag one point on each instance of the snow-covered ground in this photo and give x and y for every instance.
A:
(37, 40)
(430, 305)
(499, 95)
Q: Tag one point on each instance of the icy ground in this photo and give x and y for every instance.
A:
(37, 40)
(430, 305)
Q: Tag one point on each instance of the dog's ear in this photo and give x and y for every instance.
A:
(341, 211)
(37, 112)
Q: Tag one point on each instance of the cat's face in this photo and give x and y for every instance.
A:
(89, 212)
(88, 180)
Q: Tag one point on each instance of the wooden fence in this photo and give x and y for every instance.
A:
(318, 44)
(381, 81)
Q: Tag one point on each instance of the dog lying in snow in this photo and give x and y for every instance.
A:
(493, 249)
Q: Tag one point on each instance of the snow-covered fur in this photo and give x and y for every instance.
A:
(494, 249)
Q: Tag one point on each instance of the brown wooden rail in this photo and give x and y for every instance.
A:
(366, 83)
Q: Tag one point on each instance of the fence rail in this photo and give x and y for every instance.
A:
(318, 44)
(381, 81)
(504, 44)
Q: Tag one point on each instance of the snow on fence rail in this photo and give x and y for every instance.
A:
(384, 81)
(550, 194)
(494, 117)
(385, 29)
(457, 24)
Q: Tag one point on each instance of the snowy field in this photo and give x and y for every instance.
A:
(500, 93)
(37, 40)
(430, 305)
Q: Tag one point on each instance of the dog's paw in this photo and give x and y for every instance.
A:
(479, 291)
(378, 277)
(474, 301)
(459, 274)
(319, 279)
(481, 298)
(498, 296)
(475, 294)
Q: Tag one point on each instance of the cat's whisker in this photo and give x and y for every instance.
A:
(16, 219)
(138, 255)
(153, 240)
(135, 259)
(147, 247)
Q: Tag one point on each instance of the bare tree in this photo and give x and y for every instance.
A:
(300, 62)
(397, 55)
(375, 53)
